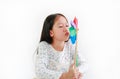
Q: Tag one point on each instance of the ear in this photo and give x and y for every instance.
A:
(51, 33)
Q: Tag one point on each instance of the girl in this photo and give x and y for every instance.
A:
(55, 51)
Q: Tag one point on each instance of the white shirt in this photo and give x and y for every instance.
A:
(50, 64)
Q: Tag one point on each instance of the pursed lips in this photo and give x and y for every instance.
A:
(67, 34)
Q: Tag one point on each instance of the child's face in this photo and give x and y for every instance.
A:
(60, 30)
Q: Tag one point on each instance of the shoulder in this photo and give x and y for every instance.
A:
(43, 46)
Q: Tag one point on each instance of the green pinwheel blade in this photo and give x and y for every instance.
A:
(72, 31)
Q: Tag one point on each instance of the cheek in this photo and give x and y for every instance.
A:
(58, 31)
(58, 34)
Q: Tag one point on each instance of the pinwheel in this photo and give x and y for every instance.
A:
(73, 37)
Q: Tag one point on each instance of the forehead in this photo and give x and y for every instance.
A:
(60, 19)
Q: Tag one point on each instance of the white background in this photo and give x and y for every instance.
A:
(99, 35)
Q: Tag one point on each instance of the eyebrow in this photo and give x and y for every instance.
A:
(63, 23)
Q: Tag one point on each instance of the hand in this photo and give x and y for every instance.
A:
(73, 73)
(70, 74)
(78, 75)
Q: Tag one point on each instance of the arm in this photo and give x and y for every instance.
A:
(41, 66)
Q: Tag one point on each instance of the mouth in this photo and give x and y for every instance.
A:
(67, 34)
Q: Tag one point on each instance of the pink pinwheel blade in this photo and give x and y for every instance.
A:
(76, 21)
(73, 24)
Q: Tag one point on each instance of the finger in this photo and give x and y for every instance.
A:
(72, 68)
(76, 69)
(80, 76)
(76, 75)
(74, 78)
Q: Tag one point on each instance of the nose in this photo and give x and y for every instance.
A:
(65, 29)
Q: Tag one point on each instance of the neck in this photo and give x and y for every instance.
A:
(57, 45)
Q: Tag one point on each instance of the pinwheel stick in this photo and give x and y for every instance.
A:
(76, 52)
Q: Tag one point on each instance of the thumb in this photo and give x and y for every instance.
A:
(72, 66)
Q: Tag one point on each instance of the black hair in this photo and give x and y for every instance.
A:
(47, 26)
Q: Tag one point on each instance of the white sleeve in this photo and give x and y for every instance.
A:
(41, 66)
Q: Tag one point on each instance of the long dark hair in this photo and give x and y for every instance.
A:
(47, 26)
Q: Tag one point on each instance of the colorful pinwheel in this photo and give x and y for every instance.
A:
(73, 30)
(73, 37)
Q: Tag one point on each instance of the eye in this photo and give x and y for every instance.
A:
(67, 26)
(60, 26)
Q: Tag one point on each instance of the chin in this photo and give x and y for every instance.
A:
(66, 39)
